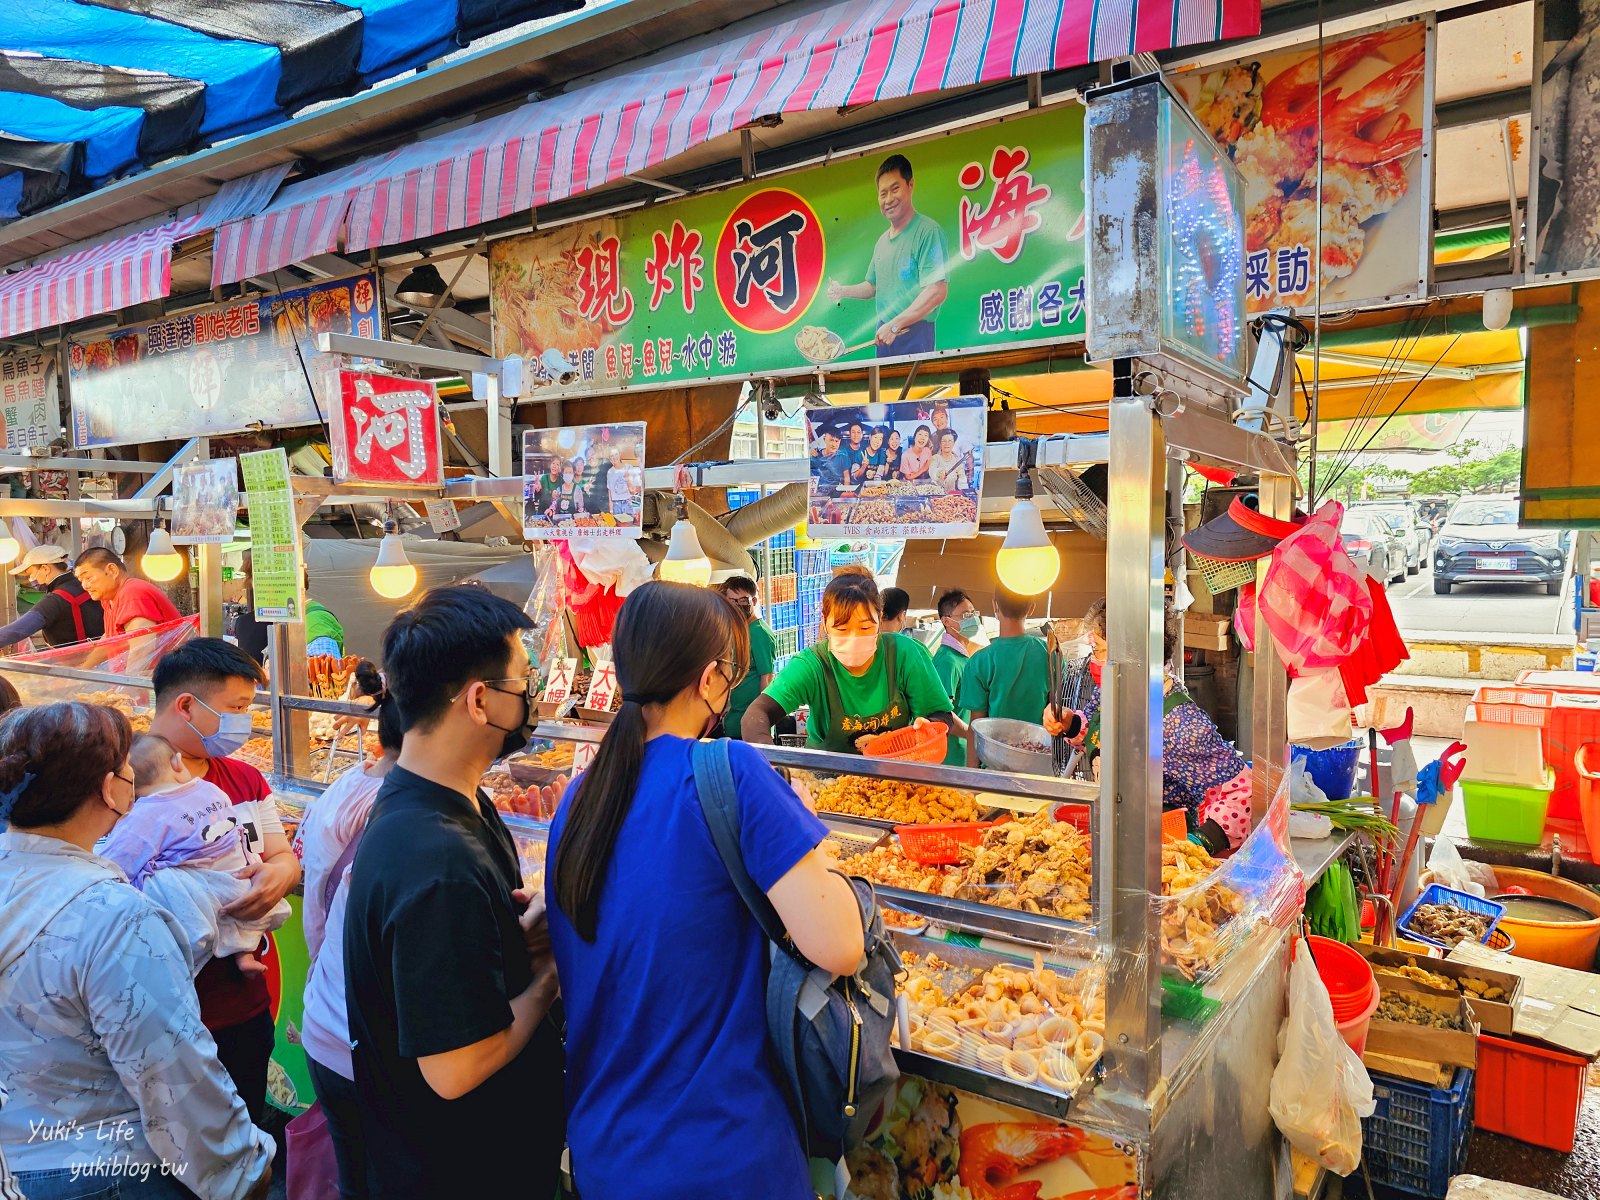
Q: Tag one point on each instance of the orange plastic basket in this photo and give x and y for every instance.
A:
(911, 744)
(939, 845)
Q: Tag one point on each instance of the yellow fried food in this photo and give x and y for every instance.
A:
(894, 800)
(888, 866)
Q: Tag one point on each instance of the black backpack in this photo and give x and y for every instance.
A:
(830, 1035)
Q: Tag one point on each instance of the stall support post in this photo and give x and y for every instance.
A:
(498, 423)
(209, 557)
(291, 727)
(1269, 718)
(1128, 817)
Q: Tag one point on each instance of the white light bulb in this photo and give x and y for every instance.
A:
(1027, 562)
(392, 576)
(685, 562)
(161, 560)
(10, 548)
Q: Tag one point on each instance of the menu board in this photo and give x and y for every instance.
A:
(30, 399)
(276, 575)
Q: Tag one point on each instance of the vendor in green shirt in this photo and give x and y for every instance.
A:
(740, 591)
(859, 683)
(962, 626)
(1010, 677)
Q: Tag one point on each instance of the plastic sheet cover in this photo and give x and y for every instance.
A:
(131, 654)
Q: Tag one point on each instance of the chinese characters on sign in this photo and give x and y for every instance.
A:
(558, 684)
(385, 430)
(964, 242)
(602, 687)
(30, 400)
(275, 575)
(222, 370)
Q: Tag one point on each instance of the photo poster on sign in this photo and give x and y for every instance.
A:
(583, 481)
(205, 503)
(277, 579)
(384, 429)
(558, 684)
(912, 468)
(1377, 166)
(442, 515)
(225, 369)
(30, 399)
(1565, 204)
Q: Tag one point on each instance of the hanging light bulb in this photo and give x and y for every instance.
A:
(1028, 561)
(161, 560)
(392, 576)
(10, 548)
(686, 561)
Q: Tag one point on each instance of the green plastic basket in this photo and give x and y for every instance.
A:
(1506, 812)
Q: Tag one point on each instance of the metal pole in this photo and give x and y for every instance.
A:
(1127, 853)
(209, 557)
(1270, 704)
(499, 429)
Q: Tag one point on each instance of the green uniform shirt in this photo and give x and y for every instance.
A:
(905, 263)
(801, 682)
(321, 623)
(763, 647)
(1010, 677)
(951, 665)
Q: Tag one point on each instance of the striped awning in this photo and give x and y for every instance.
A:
(846, 53)
(121, 271)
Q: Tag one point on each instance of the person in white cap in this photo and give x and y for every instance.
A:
(65, 613)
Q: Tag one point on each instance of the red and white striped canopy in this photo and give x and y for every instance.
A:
(102, 278)
(851, 52)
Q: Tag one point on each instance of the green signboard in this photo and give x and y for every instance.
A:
(969, 241)
(275, 568)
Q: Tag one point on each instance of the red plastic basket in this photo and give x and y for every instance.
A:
(939, 845)
(912, 744)
(1530, 1093)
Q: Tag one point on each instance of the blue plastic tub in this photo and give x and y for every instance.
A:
(1417, 1137)
(1439, 894)
(1332, 770)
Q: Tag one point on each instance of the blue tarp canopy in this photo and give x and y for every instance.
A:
(91, 90)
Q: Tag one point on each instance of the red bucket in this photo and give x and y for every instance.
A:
(1347, 976)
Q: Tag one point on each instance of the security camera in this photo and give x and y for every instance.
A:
(558, 367)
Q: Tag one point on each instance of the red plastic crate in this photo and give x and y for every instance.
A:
(1530, 1093)
(939, 845)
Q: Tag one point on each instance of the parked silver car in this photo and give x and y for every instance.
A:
(1406, 522)
(1373, 545)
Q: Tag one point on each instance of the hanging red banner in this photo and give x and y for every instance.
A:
(385, 431)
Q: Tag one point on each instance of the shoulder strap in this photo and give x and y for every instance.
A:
(75, 603)
(713, 781)
(331, 884)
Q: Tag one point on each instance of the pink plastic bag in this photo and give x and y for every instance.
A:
(1314, 597)
(313, 1172)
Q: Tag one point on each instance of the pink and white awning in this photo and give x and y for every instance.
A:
(851, 52)
(102, 278)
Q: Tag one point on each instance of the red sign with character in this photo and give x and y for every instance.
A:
(386, 431)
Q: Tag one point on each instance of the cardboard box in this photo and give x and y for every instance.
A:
(1422, 1043)
(1426, 1073)
(1494, 1016)
(1558, 1006)
(1206, 631)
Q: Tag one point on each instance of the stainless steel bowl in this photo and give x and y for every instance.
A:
(997, 755)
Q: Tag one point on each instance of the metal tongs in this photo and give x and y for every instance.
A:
(1065, 693)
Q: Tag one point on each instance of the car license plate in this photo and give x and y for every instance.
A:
(1497, 564)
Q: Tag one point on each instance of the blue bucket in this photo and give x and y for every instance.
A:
(1332, 770)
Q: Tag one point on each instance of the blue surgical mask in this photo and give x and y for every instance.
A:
(233, 731)
(971, 626)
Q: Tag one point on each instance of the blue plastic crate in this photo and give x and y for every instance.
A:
(786, 538)
(1417, 1138)
(739, 497)
(1436, 893)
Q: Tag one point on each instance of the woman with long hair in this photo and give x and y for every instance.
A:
(859, 681)
(663, 968)
(99, 1023)
(327, 844)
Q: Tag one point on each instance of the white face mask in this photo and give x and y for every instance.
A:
(853, 650)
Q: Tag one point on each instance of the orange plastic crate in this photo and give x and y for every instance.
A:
(1530, 1093)
(911, 744)
(939, 845)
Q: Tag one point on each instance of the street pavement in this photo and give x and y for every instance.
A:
(1478, 608)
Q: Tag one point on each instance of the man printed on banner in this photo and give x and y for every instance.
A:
(907, 275)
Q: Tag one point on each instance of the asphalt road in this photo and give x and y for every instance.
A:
(1478, 608)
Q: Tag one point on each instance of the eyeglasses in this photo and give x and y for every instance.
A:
(527, 686)
(744, 602)
(735, 675)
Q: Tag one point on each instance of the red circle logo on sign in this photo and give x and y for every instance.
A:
(771, 256)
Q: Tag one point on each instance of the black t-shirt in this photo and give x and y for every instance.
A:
(251, 635)
(64, 598)
(433, 957)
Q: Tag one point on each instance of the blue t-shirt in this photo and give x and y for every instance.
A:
(669, 1078)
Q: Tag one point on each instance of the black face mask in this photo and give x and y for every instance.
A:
(713, 726)
(517, 736)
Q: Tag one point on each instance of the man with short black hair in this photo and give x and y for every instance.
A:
(895, 603)
(448, 971)
(130, 603)
(203, 693)
(1010, 677)
(740, 591)
(65, 613)
(962, 625)
(907, 273)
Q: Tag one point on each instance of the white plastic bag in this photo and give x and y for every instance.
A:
(1320, 1090)
(1450, 869)
(1318, 716)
